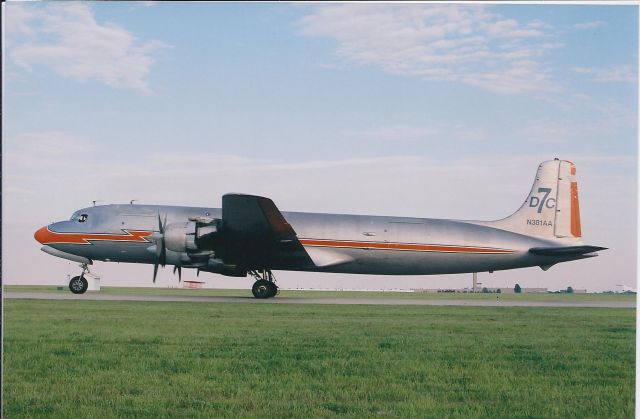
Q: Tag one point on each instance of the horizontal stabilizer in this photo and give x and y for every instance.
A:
(565, 250)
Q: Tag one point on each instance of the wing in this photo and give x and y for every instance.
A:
(257, 235)
(254, 216)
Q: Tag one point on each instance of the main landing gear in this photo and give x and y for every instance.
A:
(79, 284)
(265, 286)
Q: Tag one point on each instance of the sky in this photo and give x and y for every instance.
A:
(422, 110)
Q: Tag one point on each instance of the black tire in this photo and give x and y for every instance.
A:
(273, 289)
(78, 285)
(261, 289)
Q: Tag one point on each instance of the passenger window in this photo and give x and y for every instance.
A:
(82, 218)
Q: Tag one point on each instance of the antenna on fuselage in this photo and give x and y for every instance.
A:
(132, 201)
(96, 200)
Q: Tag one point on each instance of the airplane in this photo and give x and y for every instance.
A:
(250, 236)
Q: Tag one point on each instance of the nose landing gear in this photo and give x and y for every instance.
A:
(79, 284)
(265, 286)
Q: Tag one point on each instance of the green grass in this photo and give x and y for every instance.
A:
(151, 359)
(335, 294)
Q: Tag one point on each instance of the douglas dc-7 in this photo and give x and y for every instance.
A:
(250, 236)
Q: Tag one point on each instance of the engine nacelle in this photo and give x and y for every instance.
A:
(191, 236)
(207, 237)
(180, 237)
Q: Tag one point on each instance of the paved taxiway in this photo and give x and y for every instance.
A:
(308, 300)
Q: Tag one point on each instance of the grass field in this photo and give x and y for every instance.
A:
(336, 294)
(150, 359)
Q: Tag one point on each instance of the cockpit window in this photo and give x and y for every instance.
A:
(80, 217)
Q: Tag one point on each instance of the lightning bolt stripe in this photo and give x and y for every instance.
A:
(404, 246)
(46, 236)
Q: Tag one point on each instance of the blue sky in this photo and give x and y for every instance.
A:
(407, 109)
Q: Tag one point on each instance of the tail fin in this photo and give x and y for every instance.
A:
(551, 210)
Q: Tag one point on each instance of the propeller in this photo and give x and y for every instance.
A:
(161, 250)
(179, 269)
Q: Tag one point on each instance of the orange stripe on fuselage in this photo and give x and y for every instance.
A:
(46, 236)
(403, 246)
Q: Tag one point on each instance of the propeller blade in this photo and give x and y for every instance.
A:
(179, 269)
(161, 224)
(161, 253)
(161, 250)
(163, 256)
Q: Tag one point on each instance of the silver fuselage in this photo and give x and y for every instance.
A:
(356, 244)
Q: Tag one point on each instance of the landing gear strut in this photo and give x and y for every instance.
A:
(265, 286)
(78, 284)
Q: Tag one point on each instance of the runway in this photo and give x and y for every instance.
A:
(328, 300)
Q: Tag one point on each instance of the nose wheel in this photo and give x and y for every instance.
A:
(79, 284)
(265, 286)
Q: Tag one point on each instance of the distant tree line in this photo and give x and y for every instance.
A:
(518, 290)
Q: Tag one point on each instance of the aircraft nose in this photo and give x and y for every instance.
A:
(42, 234)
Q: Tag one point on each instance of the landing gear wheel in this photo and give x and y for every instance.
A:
(78, 285)
(265, 285)
(262, 289)
(273, 289)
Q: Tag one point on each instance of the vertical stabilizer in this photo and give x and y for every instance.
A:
(551, 210)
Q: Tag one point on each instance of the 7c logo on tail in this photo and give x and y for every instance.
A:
(547, 202)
